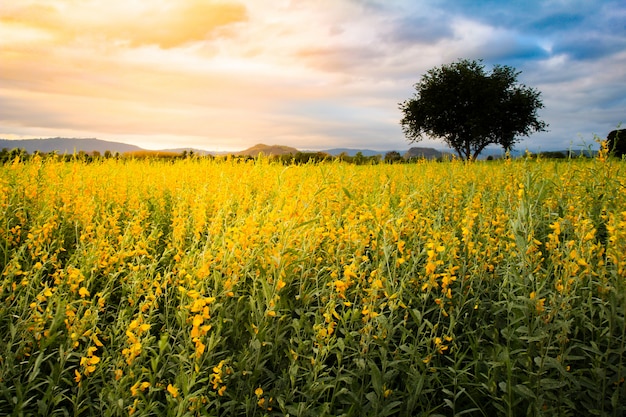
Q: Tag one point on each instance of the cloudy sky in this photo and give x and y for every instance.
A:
(313, 74)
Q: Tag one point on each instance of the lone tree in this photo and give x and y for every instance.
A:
(470, 109)
(616, 141)
(392, 157)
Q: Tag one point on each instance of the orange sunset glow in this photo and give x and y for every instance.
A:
(226, 74)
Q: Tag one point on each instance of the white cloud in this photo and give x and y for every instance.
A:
(309, 73)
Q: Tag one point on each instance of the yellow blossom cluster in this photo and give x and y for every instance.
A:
(136, 329)
(209, 285)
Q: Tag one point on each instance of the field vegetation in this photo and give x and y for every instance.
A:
(225, 287)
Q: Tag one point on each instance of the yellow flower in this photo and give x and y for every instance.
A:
(97, 341)
(430, 268)
(200, 348)
(172, 390)
(439, 344)
(540, 305)
(258, 392)
(139, 386)
(83, 292)
(340, 286)
(348, 272)
(197, 320)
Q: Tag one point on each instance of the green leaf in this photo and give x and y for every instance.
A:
(372, 398)
(524, 391)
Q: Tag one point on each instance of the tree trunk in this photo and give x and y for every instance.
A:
(478, 151)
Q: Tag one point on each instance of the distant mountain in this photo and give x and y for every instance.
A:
(428, 153)
(353, 152)
(268, 150)
(411, 153)
(72, 145)
(67, 146)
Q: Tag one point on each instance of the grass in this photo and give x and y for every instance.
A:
(209, 287)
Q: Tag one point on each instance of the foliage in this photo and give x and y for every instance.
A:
(201, 287)
(553, 155)
(301, 158)
(616, 142)
(470, 109)
(144, 154)
(393, 157)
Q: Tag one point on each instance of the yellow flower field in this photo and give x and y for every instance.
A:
(222, 287)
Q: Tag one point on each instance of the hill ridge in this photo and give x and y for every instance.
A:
(72, 145)
(67, 145)
(267, 150)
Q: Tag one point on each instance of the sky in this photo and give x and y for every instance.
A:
(223, 75)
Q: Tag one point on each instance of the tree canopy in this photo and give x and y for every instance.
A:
(617, 142)
(469, 108)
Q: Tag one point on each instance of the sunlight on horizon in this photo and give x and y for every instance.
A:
(227, 74)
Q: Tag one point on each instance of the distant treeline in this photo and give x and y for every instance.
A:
(393, 157)
(7, 155)
(297, 158)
